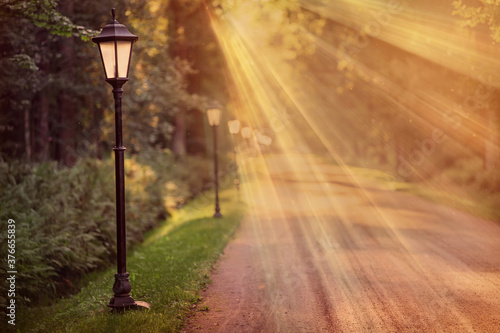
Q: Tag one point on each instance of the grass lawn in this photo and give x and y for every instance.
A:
(167, 270)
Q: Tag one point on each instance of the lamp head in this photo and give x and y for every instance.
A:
(246, 132)
(213, 114)
(115, 46)
(234, 126)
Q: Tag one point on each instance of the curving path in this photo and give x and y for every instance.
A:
(323, 251)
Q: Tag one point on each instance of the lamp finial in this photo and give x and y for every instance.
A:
(113, 13)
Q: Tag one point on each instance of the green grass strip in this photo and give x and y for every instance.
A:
(168, 270)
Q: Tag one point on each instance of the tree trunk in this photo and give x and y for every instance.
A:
(96, 133)
(42, 129)
(27, 133)
(179, 137)
(182, 11)
(491, 149)
(41, 123)
(179, 50)
(67, 154)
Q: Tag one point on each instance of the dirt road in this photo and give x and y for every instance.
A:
(321, 251)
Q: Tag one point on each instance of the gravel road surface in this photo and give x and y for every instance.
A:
(323, 251)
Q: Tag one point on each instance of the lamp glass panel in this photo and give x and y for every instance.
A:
(123, 48)
(234, 126)
(213, 116)
(108, 58)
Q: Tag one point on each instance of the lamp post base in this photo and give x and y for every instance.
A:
(120, 303)
(217, 214)
(138, 305)
(122, 299)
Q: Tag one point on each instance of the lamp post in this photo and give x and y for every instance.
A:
(234, 128)
(213, 115)
(115, 46)
(247, 134)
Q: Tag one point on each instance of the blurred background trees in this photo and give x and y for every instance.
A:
(55, 104)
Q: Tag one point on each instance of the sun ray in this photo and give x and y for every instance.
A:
(396, 85)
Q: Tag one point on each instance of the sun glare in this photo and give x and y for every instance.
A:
(383, 78)
(357, 99)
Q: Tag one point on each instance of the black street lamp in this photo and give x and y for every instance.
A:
(213, 115)
(115, 46)
(234, 128)
(246, 133)
(249, 140)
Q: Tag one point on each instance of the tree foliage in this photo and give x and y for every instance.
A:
(57, 131)
(486, 12)
(44, 14)
(49, 64)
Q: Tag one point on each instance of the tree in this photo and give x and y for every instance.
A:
(194, 46)
(485, 19)
(31, 30)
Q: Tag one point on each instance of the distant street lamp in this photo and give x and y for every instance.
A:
(246, 132)
(115, 46)
(234, 128)
(213, 115)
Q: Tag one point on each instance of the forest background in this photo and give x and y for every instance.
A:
(409, 89)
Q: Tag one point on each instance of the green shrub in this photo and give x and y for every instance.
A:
(65, 220)
(65, 217)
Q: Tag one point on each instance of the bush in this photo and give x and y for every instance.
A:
(185, 177)
(65, 220)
